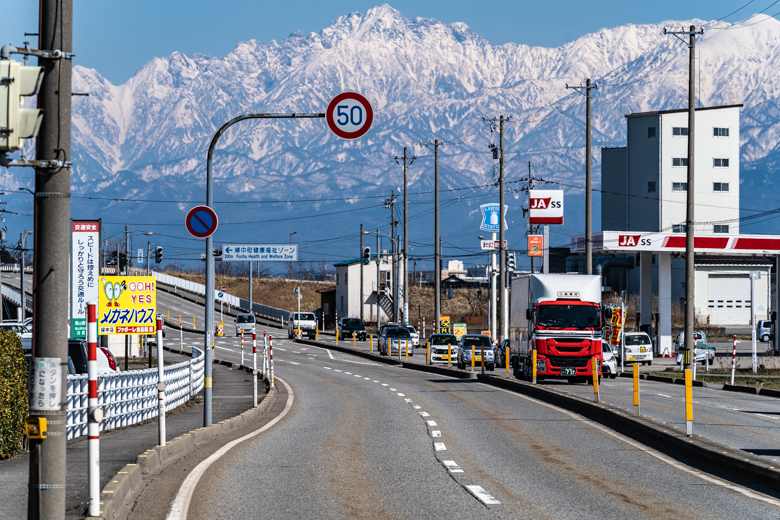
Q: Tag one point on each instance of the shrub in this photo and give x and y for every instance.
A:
(13, 394)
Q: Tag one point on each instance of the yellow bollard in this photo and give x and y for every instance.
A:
(179, 320)
(449, 355)
(317, 334)
(193, 322)
(533, 367)
(506, 360)
(688, 402)
(169, 314)
(636, 389)
(594, 365)
(428, 353)
(472, 358)
(371, 342)
(353, 338)
(337, 335)
(406, 347)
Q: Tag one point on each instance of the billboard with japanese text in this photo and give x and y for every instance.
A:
(85, 270)
(127, 305)
(260, 253)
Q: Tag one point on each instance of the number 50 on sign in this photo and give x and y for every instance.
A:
(349, 115)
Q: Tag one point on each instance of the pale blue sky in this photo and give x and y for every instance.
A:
(119, 37)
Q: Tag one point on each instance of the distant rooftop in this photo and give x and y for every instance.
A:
(677, 111)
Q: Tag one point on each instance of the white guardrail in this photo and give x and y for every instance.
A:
(229, 299)
(15, 297)
(131, 397)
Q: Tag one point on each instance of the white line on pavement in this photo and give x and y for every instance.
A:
(425, 414)
(432, 423)
(399, 394)
(181, 503)
(435, 433)
(482, 495)
(451, 466)
(439, 446)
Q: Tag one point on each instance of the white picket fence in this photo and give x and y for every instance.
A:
(131, 397)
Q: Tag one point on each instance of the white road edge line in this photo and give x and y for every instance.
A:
(181, 503)
(649, 451)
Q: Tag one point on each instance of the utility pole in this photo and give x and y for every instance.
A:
(405, 293)
(397, 275)
(46, 491)
(127, 250)
(390, 203)
(501, 237)
(588, 191)
(251, 268)
(436, 248)
(22, 242)
(360, 261)
(690, 217)
(378, 271)
(148, 257)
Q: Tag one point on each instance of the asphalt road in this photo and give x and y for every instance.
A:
(358, 443)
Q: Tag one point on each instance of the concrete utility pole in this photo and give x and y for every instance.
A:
(378, 270)
(23, 292)
(46, 495)
(148, 257)
(397, 275)
(128, 256)
(501, 237)
(360, 261)
(404, 295)
(690, 221)
(390, 203)
(588, 191)
(436, 241)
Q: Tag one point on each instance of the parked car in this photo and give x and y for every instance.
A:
(393, 340)
(18, 327)
(305, 321)
(443, 345)
(77, 350)
(501, 352)
(608, 360)
(106, 362)
(698, 335)
(347, 326)
(704, 352)
(415, 335)
(479, 342)
(638, 348)
(246, 323)
(765, 330)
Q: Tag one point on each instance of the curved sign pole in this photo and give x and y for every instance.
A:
(352, 117)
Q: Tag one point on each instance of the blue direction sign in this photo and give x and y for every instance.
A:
(201, 221)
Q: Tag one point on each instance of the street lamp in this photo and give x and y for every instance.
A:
(291, 234)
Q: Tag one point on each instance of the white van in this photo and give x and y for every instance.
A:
(245, 322)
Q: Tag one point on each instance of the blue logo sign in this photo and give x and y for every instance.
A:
(490, 216)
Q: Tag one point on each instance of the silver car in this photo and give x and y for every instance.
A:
(478, 343)
(245, 322)
(395, 340)
(415, 335)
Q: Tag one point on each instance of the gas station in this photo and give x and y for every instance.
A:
(672, 245)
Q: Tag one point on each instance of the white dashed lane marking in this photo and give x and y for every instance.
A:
(432, 423)
(399, 394)
(439, 446)
(425, 414)
(451, 466)
(482, 495)
(435, 433)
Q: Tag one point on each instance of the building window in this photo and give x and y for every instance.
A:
(337, 278)
(721, 228)
(720, 186)
(678, 228)
(679, 130)
(679, 186)
(651, 187)
(680, 161)
(720, 163)
(720, 132)
(345, 278)
(650, 131)
(342, 305)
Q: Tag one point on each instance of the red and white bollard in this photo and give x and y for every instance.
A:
(160, 384)
(271, 359)
(242, 348)
(733, 360)
(95, 414)
(254, 367)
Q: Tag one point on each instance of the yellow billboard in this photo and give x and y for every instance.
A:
(127, 305)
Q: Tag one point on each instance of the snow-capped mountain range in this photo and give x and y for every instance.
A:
(147, 139)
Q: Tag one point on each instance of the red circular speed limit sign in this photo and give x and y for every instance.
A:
(349, 115)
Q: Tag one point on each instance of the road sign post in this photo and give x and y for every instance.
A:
(352, 128)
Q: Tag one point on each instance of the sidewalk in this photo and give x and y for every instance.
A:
(232, 395)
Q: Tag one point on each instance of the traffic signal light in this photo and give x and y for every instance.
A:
(158, 257)
(479, 294)
(367, 255)
(17, 122)
(511, 263)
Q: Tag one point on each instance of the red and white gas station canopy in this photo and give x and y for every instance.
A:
(635, 241)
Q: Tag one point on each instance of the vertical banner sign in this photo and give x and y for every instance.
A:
(535, 245)
(546, 206)
(127, 305)
(85, 262)
(444, 325)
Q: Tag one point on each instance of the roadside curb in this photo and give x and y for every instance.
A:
(648, 431)
(753, 390)
(125, 486)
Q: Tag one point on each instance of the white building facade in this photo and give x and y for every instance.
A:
(348, 293)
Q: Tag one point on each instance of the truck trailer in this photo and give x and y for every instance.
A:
(564, 328)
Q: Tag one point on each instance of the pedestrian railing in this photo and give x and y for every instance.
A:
(130, 397)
